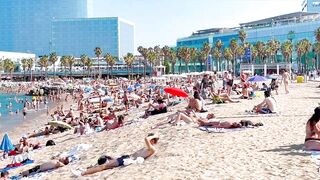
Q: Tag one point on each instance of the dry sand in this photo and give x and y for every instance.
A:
(184, 152)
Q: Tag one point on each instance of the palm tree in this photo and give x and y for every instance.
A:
(217, 55)
(233, 47)
(274, 47)
(241, 51)
(89, 64)
(193, 57)
(157, 52)
(206, 51)
(242, 36)
(24, 67)
(286, 50)
(129, 59)
(317, 36)
(30, 63)
(53, 58)
(180, 56)
(173, 59)
(152, 57)
(228, 55)
(70, 62)
(316, 48)
(44, 63)
(110, 60)
(64, 63)
(186, 56)
(303, 48)
(254, 54)
(260, 46)
(219, 45)
(83, 60)
(291, 35)
(98, 52)
(107, 58)
(9, 66)
(203, 57)
(144, 53)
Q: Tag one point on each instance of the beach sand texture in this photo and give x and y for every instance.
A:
(184, 152)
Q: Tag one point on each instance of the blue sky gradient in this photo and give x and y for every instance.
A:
(161, 22)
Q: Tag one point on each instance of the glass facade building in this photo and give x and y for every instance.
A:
(45, 26)
(82, 35)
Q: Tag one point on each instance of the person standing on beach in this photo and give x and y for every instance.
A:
(24, 112)
(285, 79)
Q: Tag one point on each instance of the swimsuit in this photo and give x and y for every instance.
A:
(34, 170)
(121, 159)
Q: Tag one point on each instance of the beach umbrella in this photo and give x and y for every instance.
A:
(130, 89)
(257, 79)
(6, 144)
(137, 85)
(176, 92)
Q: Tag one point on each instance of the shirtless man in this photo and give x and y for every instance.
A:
(47, 166)
(285, 79)
(150, 150)
(269, 104)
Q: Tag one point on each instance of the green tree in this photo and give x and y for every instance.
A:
(286, 50)
(274, 47)
(194, 57)
(228, 55)
(111, 61)
(186, 57)
(53, 58)
(180, 57)
(173, 59)
(83, 60)
(317, 36)
(233, 47)
(24, 67)
(242, 36)
(144, 53)
(254, 53)
(218, 51)
(217, 55)
(64, 63)
(98, 53)
(206, 51)
(9, 66)
(260, 46)
(316, 48)
(128, 59)
(30, 63)
(44, 63)
(70, 62)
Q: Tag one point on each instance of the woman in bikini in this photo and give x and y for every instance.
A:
(312, 140)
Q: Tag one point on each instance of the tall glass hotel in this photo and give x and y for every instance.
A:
(294, 26)
(62, 26)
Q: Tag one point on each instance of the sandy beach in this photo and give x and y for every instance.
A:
(273, 151)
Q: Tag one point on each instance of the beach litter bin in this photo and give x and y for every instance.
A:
(300, 79)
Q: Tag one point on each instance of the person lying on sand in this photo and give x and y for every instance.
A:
(50, 165)
(187, 118)
(268, 105)
(151, 140)
(45, 132)
(228, 125)
(312, 140)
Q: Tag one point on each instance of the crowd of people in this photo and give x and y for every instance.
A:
(105, 106)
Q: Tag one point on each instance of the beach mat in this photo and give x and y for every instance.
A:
(14, 166)
(210, 129)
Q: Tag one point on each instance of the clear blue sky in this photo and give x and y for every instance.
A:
(161, 22)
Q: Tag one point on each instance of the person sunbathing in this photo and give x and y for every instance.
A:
(118, 122)
(151, 140)
(158, 108)
(267, 106)
(195, 102)
(187, 118)
(312, 140)
(50, 165)
(45, 132)
(228, 125)
(221, 98)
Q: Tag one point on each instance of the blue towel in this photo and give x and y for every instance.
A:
(9, 168)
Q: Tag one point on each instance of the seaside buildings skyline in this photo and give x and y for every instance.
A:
(64, 27)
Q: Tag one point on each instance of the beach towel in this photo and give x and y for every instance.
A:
(36, 176)
(16, 165)
(210, 129)
(21, 157)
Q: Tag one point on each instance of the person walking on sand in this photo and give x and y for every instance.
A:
(151, 140)
(24, 112)
(285, 79)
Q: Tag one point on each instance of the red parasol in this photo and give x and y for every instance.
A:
(176, 92)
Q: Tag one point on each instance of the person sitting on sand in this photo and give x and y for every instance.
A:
(151, 140)
(228, 125)
(219, 98)
(118, 122)
(50, 165)
(158, 108)
(312, 140)
(268, 105)
(25, 146)
(195, 102)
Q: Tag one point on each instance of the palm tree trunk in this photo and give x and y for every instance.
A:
(201, 68)
(180, 67)
(98, 68)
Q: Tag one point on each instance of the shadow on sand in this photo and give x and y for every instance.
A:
(290, 150)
